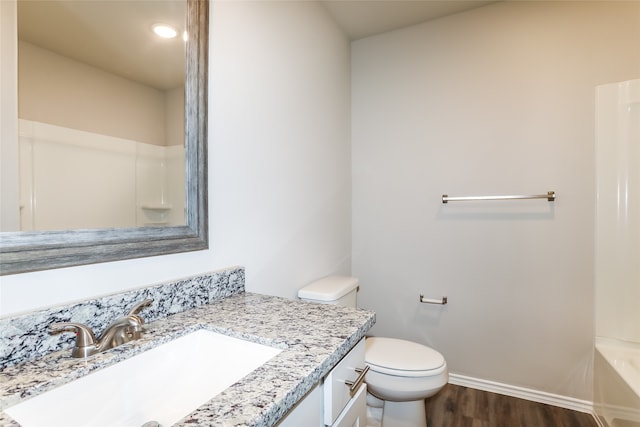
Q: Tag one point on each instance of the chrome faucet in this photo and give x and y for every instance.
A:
(122, 330)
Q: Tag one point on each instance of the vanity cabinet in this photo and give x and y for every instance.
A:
(340, 400)
(345, 393)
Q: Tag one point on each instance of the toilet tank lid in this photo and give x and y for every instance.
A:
(329, 288)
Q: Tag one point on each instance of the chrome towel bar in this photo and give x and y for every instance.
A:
(424, 300)
(550, 196)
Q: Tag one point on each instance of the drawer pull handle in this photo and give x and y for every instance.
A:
(355, 385)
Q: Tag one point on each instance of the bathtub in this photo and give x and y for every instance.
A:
(617, 383)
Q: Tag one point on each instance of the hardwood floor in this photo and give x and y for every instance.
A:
(457, 406)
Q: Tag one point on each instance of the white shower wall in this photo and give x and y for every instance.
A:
(618, 211)
(617, 264)
(73, 179)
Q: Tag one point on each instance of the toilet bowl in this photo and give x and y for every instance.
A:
(401, 373)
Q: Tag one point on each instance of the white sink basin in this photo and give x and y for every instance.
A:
(163, 384)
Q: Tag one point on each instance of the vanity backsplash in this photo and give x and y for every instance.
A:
(26, 337)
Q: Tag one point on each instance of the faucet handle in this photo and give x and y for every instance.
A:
(138, 307)
(133, 313)
(85, 339)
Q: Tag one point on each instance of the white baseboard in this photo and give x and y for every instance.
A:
(525, 393)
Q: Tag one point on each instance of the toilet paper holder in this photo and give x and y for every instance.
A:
(424, 300)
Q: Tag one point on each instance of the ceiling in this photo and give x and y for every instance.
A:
(115, 35)
(364, 18)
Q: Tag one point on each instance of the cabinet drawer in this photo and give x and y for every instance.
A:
(340, 382)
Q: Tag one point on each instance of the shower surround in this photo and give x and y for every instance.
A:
(617, 275)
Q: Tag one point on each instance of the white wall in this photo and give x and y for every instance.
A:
(281, 151)
(279, 163)
(58, 90)
(498, 100)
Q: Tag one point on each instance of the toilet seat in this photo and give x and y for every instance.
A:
(402, 358)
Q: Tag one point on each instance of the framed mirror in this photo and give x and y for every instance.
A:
(25, 251)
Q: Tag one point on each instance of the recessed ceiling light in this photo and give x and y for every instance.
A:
(165, 31)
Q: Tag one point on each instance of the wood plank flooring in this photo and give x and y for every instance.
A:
(457, 406)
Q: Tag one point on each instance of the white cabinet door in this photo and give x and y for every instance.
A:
(307, 413)
(355, 413)
(341, 408)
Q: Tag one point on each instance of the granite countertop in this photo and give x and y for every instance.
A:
(313, 337)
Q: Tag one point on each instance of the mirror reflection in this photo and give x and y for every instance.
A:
(101, 115)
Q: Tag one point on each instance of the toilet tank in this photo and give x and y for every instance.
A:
(337, 290)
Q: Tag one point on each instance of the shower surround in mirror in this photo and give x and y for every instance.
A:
(26, 337)
(72, 179)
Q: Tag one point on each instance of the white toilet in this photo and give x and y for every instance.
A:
(401, 373)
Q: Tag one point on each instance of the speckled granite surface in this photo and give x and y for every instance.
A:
(26, 337)
(314, 338)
